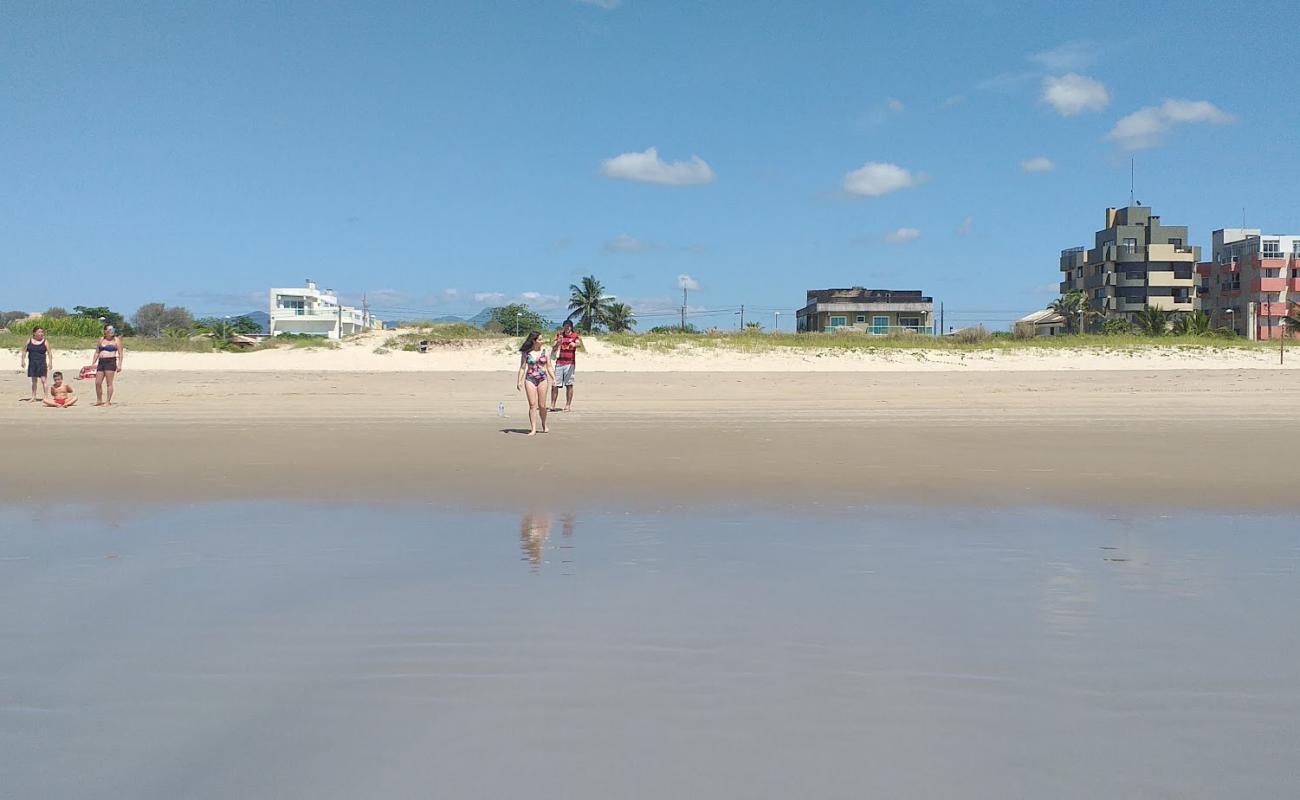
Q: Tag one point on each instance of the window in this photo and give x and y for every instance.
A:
(880, 325)
(1272, 273)
(1130, 246)
(1272, 248)
(1177, 243)
(861, 318)
(910, 324)
(839, 322)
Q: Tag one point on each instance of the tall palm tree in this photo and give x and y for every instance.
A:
(1073, 307)
(587, 303)
(1195, 323)
(1152, 321)
(618, 318)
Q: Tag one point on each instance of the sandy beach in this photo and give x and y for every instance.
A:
(1122, 438)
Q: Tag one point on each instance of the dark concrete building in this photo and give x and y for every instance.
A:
(1135, 261)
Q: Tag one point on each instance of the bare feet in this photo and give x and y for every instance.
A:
(531, 433)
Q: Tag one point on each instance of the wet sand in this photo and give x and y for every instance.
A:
(287, 650)
(1214, 439)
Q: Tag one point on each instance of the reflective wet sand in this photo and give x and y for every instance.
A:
(281, 650)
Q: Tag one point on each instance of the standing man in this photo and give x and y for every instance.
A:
(567, 342)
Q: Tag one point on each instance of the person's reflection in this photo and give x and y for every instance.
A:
(534, 530)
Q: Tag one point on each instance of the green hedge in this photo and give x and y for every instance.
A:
(81, 327)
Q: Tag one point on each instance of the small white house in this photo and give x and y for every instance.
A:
(314, 312)
(1041, 323)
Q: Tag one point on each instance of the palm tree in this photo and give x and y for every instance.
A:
(619, 318)
(1073, 307)
(1292, 321)
(1196, 323)
(1152, 321)
(588, 303)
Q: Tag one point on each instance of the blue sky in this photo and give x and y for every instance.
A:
(445, 156)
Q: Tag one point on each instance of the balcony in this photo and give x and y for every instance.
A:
(1161, 278)
(1169, 252)
(1268, 284)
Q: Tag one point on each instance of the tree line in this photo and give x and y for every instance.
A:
(150, 320)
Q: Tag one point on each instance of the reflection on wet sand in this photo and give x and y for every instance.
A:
(534, 532)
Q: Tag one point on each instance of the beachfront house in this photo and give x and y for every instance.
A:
(315, 312)
(872, 311)
(1041, 323)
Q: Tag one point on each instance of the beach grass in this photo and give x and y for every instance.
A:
(438, 335)
(863, 343)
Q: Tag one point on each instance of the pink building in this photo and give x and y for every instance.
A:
(1251, 282)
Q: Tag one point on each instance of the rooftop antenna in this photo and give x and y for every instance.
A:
(1132, 172)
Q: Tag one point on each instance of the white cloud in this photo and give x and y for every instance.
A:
(534, 300)
(965, 227)
(953, 101)
(902, 236)
(608, 5)
(1147, 126)
(685, 281)
(648, 167)
(895, 105)
(874, 179)
(1069, 56)
(1072, 94)
(1037, 164)
(624, 243)
(451, 294)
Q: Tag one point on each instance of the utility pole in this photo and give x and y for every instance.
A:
(365, 311)
(776, 326)
(340, 307)
(683, 309)
(941, 320)
(742, 316)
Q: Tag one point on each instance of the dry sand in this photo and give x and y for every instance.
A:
(1204, 438)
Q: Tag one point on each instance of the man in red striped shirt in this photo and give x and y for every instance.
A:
(567, 342)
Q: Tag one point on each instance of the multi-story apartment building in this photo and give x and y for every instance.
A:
(1135, 262)
(1250, 281)
(314, 312)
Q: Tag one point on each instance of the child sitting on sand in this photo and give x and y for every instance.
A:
(60, 394)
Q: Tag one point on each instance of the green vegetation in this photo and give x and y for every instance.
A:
(438, 335)
(588, 303)
(76, 327)
(1073, 306)
(152, 319)
(618, 318)
(975, 340)
(517, 319)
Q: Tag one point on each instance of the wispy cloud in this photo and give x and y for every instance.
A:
(902, 236)
(624, 243)
(608, 5)
(881, 113)
(1037, 164)
(953, 101)
(1074, 55)
(1073, 94)
(875, 179)
(685, 281)
(538, 301)
(648, 167)
(966, 226)
(1148, 126)
(895, 105)
(1007, 82)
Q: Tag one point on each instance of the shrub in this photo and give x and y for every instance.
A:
(1116, 327)
(971, 335)
(77, 327)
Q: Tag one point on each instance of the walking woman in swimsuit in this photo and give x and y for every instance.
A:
(109, 355)
(38, 358)
(535, 377)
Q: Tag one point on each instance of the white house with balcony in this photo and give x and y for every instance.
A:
(315, 312)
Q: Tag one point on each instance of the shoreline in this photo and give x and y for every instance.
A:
(1125, 441)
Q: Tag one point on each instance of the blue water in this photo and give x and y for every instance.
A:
(287, 650)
